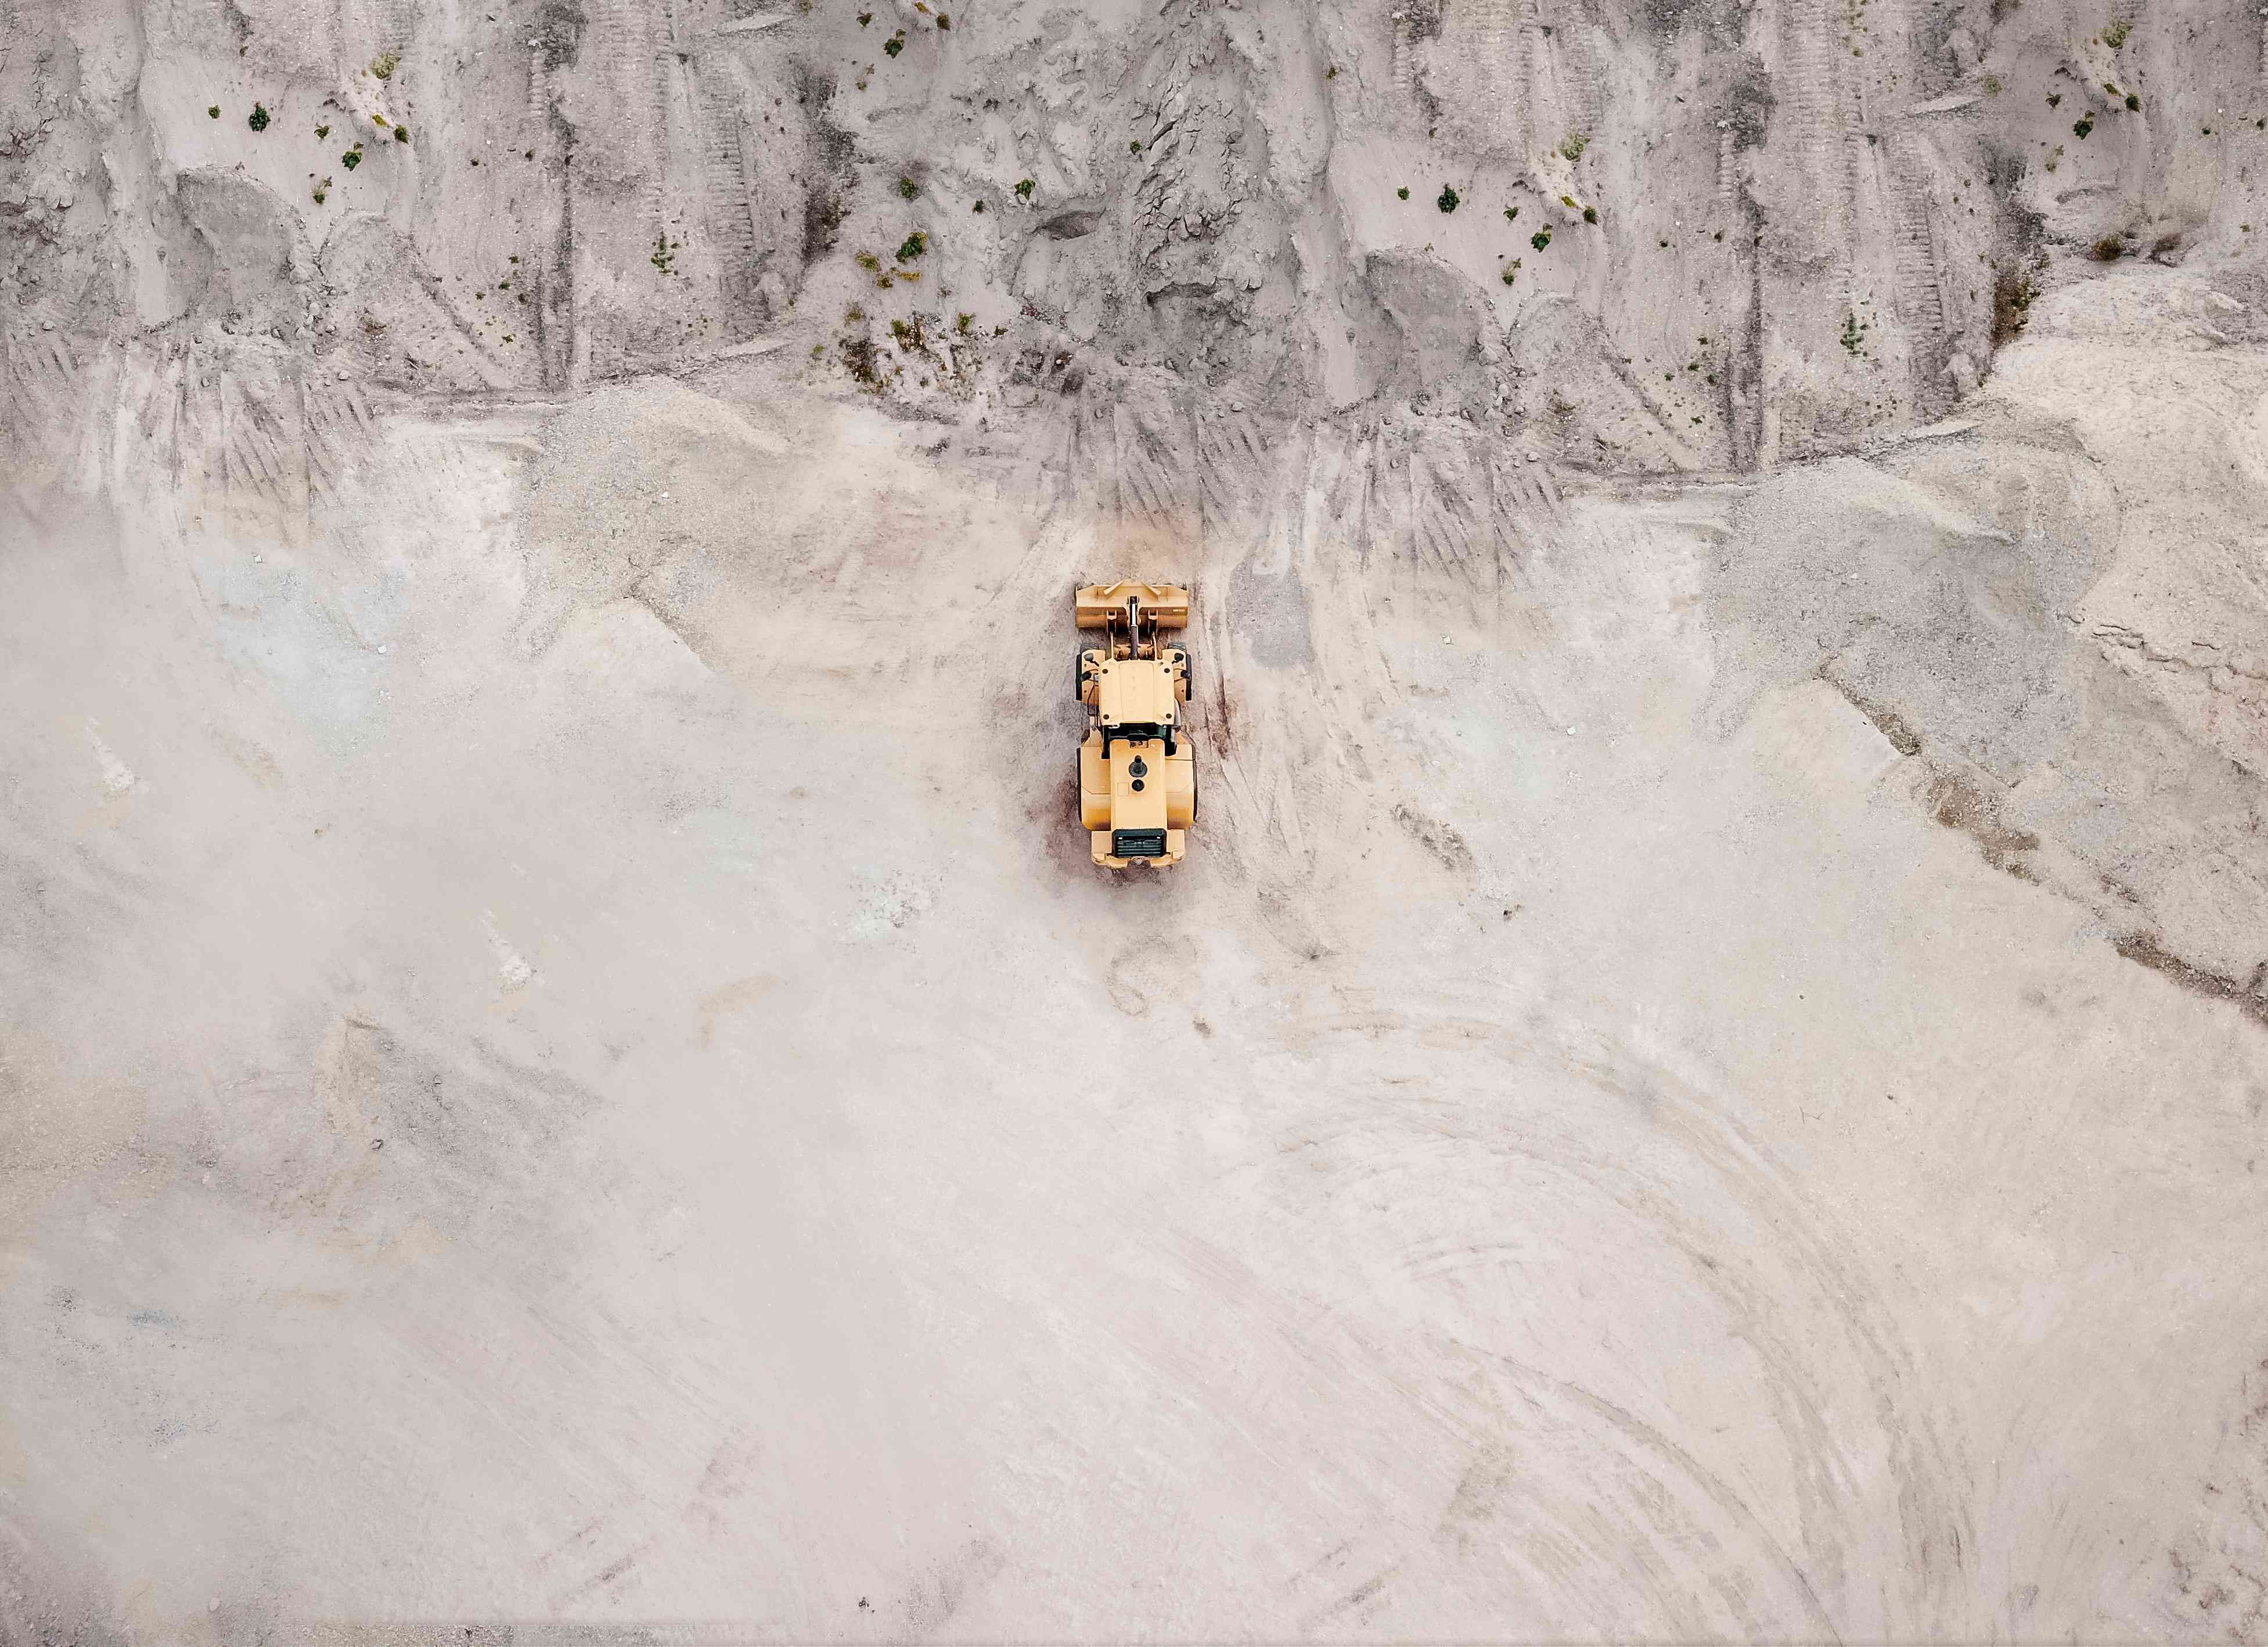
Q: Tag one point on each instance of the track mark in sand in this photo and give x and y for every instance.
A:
(1840, 1384)
(1359, 1606)
(1667, 1463)
(724, 177)
(1921, 295)
(607, 1578)
(1933, 1524)
(43, 383)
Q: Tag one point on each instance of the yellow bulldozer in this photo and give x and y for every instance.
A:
(1137, 775)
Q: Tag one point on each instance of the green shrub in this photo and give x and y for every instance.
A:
(259, 121)
(1541, 239)
(1449, 200)
(1572, 146)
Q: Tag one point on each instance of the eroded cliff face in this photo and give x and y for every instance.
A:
(1649, 238)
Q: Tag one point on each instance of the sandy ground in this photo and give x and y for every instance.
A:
(565, 1074)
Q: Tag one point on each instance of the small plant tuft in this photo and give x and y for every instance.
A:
(402, 134)
(1853, 334)
(1541, 239)
(962, 322)
(2109, 249)
(322, 131)
(1134, 146)
(664, 253)
(1572, 146)
(384, 64)
(2085, 124)
(322, 189)
(1024, 189)
(1449, 200)
(864, 18)
(1401, 193)
(859, 359)
(2133, 103)
(912, 246)
(2054, 98)
(978, 207)
(2115, 33)
(213, 112)
(895, 44)
(908, 187)
(352, 158)
(1512, 214)
(259, 120)
(1591, 215)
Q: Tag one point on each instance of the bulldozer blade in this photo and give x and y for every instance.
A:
(1102, 605)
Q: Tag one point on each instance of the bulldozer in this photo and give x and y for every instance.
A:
(1138, 776)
